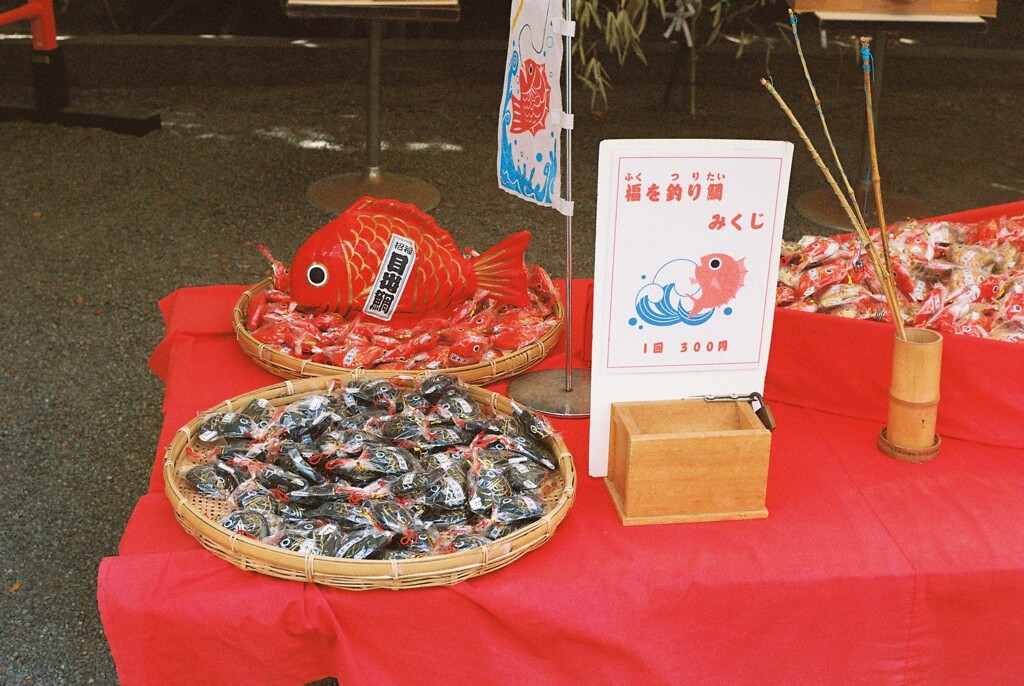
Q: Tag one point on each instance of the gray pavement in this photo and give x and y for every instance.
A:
(96, 227)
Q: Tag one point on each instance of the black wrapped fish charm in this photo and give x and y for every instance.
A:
(275, 478)
(344, 514)
(435, 385)
(390, 460)
(248, 523)
(256, 500)
(517, 508)
(523, 474)
(289, 457)
(534, 426)
(377, 469)
(363, 544)
(447, 493)
(212, 480)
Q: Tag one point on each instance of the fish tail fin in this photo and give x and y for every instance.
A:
(502, 271)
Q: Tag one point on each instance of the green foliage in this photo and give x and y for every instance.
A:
(616, 27)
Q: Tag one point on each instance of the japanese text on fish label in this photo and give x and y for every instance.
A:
(392, 277)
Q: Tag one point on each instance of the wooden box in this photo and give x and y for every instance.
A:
(687, 461)
(984, 8)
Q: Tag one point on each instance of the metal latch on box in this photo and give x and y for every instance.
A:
(757, 403)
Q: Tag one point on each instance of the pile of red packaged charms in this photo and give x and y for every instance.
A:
(955, 278)
(477, 330)
(375, 470)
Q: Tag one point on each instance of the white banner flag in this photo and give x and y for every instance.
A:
(531, 118)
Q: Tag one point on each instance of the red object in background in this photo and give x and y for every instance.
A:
(867, 570)
(39, 14)
(50, 80)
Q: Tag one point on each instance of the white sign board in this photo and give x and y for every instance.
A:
(688, 240)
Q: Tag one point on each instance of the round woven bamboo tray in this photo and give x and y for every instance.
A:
(482, 374)
(199, 515)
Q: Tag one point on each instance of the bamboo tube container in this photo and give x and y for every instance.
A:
(913, 397)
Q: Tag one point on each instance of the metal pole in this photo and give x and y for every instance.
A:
(373, 102)
(542, 390)
(567, 167)
(336, 193)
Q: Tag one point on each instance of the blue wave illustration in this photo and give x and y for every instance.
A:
(663, 313)
(520, 179)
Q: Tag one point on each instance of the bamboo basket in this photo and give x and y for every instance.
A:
(199, 515)
(481, 374)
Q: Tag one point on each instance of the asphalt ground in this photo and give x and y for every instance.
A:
(96, 227)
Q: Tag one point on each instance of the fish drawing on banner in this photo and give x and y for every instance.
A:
(530, 109)
(528, 129)
(683, 291)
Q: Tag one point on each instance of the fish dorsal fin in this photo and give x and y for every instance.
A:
(410, 215)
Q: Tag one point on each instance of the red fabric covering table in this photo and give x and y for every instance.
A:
(867, 571)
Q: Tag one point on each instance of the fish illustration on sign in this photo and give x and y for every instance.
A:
(530, 109)
(720, 278)
(683, 291)
(335, 269)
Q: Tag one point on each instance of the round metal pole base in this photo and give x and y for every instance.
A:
(544, 391)
(337, 193)
(822, 207)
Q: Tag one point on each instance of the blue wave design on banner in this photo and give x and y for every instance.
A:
(663, 313)
(520, 180)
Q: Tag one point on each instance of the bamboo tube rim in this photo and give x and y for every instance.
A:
(916, 335)
(907, 454)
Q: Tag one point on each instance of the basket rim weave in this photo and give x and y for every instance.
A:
(482, 373)
(251, 554)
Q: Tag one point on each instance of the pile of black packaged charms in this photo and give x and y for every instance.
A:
(377, 469)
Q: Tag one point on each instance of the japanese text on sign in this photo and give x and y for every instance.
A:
(696, 185)
(708, 186)
(683, 347)
(392, 277)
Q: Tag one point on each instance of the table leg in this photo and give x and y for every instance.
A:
(337, 193)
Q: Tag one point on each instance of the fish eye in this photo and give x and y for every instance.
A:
(316, 274)
(715, 263)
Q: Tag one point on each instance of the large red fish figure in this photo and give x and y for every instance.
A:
(720, 278)
(336, 267)
(530, 109)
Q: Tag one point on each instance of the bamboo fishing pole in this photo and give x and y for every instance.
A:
(821, 115)
(884, 277)
(876, 179)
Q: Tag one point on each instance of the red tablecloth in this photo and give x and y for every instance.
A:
(867, 571)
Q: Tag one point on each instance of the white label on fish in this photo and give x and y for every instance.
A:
(392, 277)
